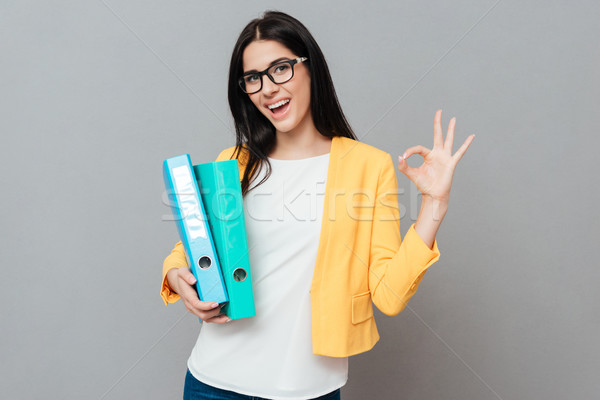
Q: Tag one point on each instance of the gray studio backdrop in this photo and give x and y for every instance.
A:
(95, 94)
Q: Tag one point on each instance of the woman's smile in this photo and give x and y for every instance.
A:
(279, 108)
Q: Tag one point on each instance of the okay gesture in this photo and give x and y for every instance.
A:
(434, 177)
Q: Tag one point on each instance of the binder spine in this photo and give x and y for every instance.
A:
(221, 190)
(194, 231)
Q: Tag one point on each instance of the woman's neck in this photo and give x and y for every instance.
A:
(302, 142)
(290, 146)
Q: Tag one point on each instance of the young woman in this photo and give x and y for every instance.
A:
(322, 222)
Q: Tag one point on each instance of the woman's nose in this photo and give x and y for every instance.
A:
(269, 87)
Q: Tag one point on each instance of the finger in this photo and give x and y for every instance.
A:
(191, 300)
(212, 316)
(203, 306)
(218, 319)
(438, 135)
(185, 274)
(449, 143)
(421, 150)
(203, 310)
(404, 168)
(461, 151)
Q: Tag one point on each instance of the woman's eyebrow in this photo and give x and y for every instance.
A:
(252, 71)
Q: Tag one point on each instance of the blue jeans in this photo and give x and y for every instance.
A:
(196, 390)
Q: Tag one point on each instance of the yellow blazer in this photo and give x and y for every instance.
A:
(361, 259)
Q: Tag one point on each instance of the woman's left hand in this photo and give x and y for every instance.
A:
(434, 177)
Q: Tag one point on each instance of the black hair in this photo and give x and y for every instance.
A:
(253, 130)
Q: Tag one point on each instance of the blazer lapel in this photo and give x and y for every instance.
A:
(328, 219)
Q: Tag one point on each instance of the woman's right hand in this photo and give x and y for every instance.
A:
(182, 281)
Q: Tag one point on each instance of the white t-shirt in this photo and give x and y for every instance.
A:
(270, 355)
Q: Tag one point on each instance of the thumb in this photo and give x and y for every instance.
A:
(187, 275)
(404, 168)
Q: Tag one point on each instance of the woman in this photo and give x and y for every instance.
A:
(322, 222)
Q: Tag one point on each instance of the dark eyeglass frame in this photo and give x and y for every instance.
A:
(265, 72)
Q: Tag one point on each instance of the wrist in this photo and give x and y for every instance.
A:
(172, 276)
(441, 199)
(435, 207)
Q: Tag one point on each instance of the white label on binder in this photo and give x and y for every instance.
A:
(190, 208)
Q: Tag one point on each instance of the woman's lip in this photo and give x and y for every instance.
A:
(284, 113)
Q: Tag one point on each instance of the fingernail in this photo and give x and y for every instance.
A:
(213, 305)
(228, 320)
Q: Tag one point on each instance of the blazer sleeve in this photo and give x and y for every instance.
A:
(174, 260)
(177, 258)
(396, 267)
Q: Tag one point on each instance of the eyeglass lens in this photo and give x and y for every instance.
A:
(280, 73)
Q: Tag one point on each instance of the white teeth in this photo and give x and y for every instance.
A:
(278, 104)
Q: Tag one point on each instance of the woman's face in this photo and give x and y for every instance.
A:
(294, 116)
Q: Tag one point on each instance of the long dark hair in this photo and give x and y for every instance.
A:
(253, 130)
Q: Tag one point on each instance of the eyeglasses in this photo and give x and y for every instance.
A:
(277, 73)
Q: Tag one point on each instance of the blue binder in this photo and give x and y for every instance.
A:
(221, 192)
(194, 231)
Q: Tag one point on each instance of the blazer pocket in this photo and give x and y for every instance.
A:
(362, 308)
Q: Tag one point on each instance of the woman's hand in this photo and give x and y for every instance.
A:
(182, 281)
(434, 177)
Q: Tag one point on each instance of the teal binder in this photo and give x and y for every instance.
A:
(221, 192)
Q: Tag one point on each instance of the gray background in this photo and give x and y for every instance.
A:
(94, 95)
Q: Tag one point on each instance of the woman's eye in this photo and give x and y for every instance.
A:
(280, 69)
(251, 78)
